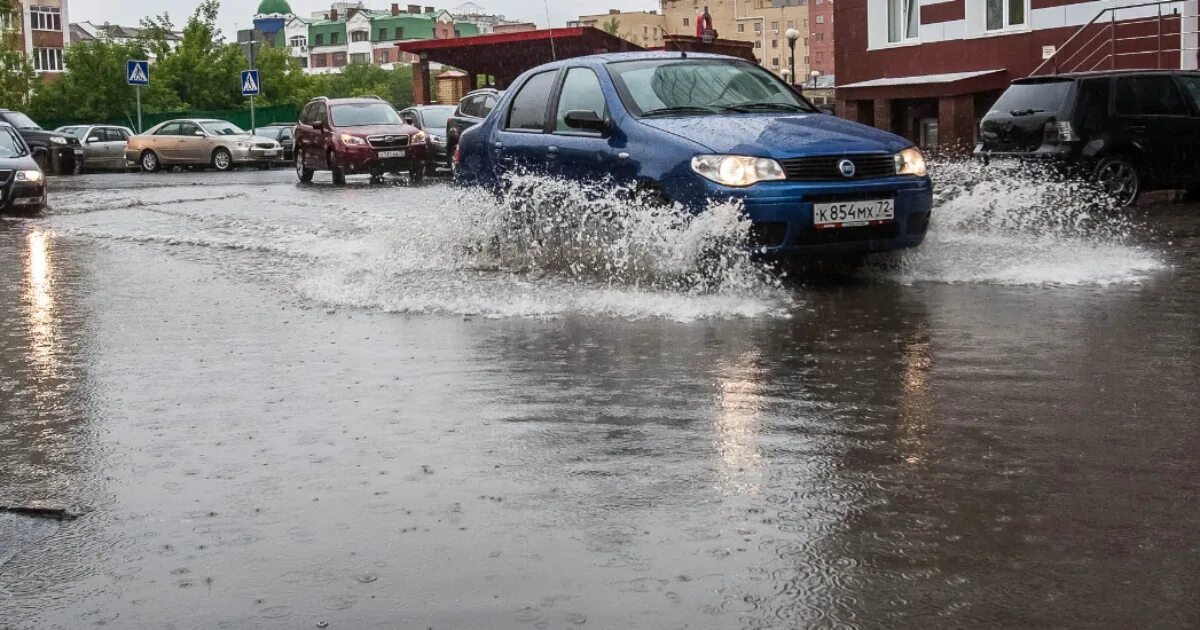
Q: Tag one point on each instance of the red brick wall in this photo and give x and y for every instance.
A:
(821, 51)
(1019, 53)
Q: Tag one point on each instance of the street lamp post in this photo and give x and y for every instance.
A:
(792, 36)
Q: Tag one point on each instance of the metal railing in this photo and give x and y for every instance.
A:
(1121, 33)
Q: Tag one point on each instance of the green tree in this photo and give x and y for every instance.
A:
(612, 27)
(155, 31)
(204, 70)
(17, 78)
(94, 86)
(283, 79)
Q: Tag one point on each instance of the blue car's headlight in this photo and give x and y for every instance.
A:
(737, 170)
(910, 162)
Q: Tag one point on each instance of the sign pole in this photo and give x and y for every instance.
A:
(253, 126)
(138, 90)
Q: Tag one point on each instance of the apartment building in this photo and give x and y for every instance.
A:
(930, 69)
(43, 31)
(644, 28)
(349, 32)
(761, 22)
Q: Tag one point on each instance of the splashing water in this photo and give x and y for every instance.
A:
(1019, 224)
(549, 248)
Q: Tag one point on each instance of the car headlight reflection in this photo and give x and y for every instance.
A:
(58, 140)
(29, 176)
(353, 141)
(437, 139)
(911, 162)
(737, 171)
(418, 138)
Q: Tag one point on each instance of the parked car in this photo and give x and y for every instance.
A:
(432, 119)
(22, 184)
(200, 142)
(702, 128)
(103, 145)
(285, 135)
(1131, 131)
(471, 111)
(349, 136)
(54, 152)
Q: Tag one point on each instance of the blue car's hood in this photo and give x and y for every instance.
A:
(780, 136)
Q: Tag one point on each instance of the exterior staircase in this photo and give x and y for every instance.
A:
(1159, 35)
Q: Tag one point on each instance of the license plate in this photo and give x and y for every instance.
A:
(853, 213)
(270, 153)
(391, 154)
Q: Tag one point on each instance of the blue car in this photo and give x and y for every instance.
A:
(699, 128)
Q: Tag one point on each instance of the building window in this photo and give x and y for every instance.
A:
(383, 34)
(904, 18)
(1002, 14)
(820, 19)
(333, 39)
(741, 28)
(758, 43)
(791, 23)
(45, 18)
(687, 22)
(774, 43)
(298, 41)
(339, 59)
(47, 59)
(359, 36)
(775, 61)
(319, 39)
(758, 27)
(360, 58)
(775, 26)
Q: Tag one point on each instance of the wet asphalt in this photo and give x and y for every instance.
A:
(265, 405)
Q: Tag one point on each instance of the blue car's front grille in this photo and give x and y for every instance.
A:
(826, 167)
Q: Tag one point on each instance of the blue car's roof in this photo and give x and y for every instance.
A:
(636, 56)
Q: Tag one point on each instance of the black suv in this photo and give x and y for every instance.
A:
(54, 152)
(472, 109)
(1132, 130)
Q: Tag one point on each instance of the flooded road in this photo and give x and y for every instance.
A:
(277, 406)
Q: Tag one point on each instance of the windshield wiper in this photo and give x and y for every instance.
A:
(1017, 113)
(679, 109)
(761, 107)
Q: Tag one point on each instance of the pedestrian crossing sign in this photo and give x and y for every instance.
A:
(137, 72)
(250, 84)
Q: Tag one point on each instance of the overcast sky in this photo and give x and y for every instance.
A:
(239, 13)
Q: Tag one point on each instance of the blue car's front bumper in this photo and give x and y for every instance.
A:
(782, 213)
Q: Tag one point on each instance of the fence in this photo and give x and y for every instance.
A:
(240, 117)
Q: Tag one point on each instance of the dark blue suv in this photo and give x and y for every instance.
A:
(701, 128)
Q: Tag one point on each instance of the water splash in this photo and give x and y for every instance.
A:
(1020, 224)
(549, 248)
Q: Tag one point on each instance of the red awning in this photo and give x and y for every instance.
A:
(507, 55)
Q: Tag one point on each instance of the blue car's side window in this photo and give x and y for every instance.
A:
(581, 91)
(528, 109)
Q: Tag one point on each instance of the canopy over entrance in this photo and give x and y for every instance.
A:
(505, 56)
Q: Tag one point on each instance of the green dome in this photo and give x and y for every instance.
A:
(270, 7)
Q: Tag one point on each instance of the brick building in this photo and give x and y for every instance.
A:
(644, 28)
(763, 23)
(930, 69)
(43, 31)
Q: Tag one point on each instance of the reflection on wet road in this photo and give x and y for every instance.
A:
(273, 406)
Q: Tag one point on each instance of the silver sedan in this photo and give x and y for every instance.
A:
(103, 145)
(200, 142)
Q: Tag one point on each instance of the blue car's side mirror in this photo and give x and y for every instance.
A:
(586, 120)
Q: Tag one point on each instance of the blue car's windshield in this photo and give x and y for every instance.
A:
(679, 86)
